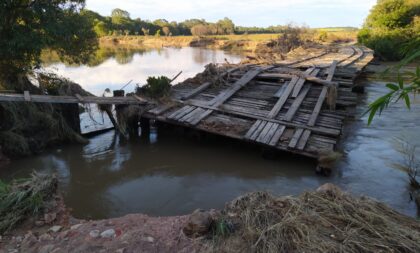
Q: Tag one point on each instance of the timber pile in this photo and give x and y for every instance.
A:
(296, 105)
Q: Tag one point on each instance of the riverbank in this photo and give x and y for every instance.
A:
(327, 219)
(244, 42)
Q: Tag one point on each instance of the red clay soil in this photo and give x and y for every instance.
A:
(131, 233)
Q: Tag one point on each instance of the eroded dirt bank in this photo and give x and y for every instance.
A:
(325, 220)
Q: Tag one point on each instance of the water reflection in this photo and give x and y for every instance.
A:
(113, 67)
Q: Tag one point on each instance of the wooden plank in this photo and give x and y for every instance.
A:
(270, 133)
(177, 112)
(252, 129)
(296, 136)
(80, 98)
(196, 111)
(281, 90)
(300, 82)
(160, 109)
(196, 90)
(183, 113)
(321, 98)
(303, 139)
(282, 100)
(258, 131)
(27, 96)
(71, 99)
(264, 131)
(245, 79)
(201, 117)
(277, 135)
(318, 106)
(296, 103)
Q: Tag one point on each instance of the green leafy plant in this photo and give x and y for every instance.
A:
(399, 90)
(157, 87)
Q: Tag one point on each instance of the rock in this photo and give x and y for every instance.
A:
(198, 223)
(149, 239)
(13, 251)
(110, 233)
(74, 227)
(329, 188)
(29, 240)
(94, 233)
(121, 250)
(46, 237)
(19, 238)
(55, 229)
(39, 223)
(50, 217)
(46, 249)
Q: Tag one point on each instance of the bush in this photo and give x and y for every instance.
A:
(156, 87)
(392, 28)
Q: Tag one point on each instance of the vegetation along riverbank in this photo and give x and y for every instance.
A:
(294, 87)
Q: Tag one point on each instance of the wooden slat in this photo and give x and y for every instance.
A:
(296, 136)
(258, 130)
(160, 109)
(177, 112)
(71, 99)
(27, 96)
(183, 113)
(196, 90)
(300, 83)
(270, 133)
(303, 139)
(275, 139)
(201, 117)
(282, 100)
(296, 103)
(196, 111)
(252, 129)
(264, 132)
(245, 79)
(321, 98)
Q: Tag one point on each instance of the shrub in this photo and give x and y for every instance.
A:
(392, 28)
(156, 87)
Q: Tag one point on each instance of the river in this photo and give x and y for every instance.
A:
(171, 175)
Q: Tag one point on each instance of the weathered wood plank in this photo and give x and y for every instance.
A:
(275, 139)
(177, 112)
(196, 91)
(303, 139)
(296, 103)
(264, 132)
(280, 102)
(270, 133)
(202, 116)
(27, 96)
(300, 82)
(296, 136)
(252, 129)
(258, 131)
(71, 99)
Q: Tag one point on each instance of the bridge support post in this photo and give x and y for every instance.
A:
(145, 127)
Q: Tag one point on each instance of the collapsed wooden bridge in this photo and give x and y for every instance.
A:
(298, 105)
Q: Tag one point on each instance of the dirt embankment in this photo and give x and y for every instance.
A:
(244, 45)
(326, 220)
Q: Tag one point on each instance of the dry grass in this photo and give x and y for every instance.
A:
(315, 222)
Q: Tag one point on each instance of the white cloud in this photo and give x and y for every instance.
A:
(245, 12)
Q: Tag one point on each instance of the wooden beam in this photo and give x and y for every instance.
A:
(27, 96)
(71, 99)
(196, 90)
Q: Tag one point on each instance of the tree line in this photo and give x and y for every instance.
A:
(120, 23)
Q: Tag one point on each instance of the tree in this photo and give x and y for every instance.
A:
(166, 31)
(101, 28)
(390, 25)
(200, 30)
(226, 25)
(145, 31)
(27, 27)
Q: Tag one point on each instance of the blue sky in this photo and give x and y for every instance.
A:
(315, 13)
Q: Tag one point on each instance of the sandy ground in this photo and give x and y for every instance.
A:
(131, 233)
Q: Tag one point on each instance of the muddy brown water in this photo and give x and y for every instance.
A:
(171, 173)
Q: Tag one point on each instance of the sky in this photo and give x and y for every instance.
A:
(262, 13)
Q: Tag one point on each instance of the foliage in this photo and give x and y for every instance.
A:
(24, 198)
(411, 164)
(157, 87)
(397, 91)
(319, 221)
(27, 27)
(390, 26)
